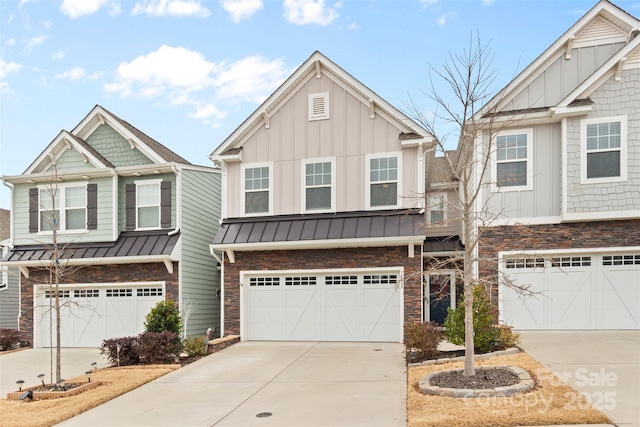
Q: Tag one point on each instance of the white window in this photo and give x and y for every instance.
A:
(512, 160)
(257, 187)
(70, 200)
(319, 106)
(604, 149)
(383, 181)
(436, 209)
(319, 185)
(148, 204)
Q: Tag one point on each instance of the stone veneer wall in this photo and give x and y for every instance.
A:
(322, 259)
(118, 273)
(579, 235)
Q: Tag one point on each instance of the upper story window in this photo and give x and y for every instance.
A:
(257, 189)
(63, 208)
(436, 209)
(148, 204)
(604, 149)
(319, 106)
(512, 160)
(319, 185)
(383, 174)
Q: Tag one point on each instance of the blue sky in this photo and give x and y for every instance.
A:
(188, 72)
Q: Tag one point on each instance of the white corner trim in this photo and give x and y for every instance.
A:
(601, 216)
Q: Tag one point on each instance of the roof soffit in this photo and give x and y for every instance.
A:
(603, 12)
(99, 116)
(316, 66)
(60, 144)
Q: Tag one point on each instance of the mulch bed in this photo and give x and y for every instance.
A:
(483, 379)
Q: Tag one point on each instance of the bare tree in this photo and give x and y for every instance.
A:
(467, 77)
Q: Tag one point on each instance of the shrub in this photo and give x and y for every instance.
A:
(165, 316)
(421, 340)
(159, 347)
(194, 346)
(486, 334)
(9, 338)
(507, 338)
(128, 350)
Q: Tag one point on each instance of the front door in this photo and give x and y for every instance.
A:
(440, 296)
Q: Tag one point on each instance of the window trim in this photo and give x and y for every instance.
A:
(623, 149)
(303, 184)
(158, 183)
(62, 209)
(367, 192)
(243, 168)
(495, 188)
(443, 197)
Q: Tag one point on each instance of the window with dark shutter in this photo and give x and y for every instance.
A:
(130, 207)
(92, 206)
(165, 204)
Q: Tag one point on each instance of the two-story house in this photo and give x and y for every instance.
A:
(323, 230)
(563, 186)
(132, 221)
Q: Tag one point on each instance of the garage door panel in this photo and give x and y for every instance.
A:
(264, 314)
(569, 300)
(380, 314)
(342, 314)
(527, 312)
(87, 324)
(619, 296)
(302, 314)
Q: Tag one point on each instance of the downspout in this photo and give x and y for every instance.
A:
(221, 261)
(115, 182)
(177, 171)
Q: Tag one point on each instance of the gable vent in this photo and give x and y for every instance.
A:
(319, 106)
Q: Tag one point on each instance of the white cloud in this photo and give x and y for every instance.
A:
(76, 8)
(7, 68)
(58, 55)
(445, 18)
(427, 3)
(353, 26)
(171, 8)
(10, 42)
(488, 2)
(78, 73)
(178, 76)
(251, 79)
(302, 12)
(241, 9)
(35, 41)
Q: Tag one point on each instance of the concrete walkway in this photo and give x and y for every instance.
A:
(603, 365)
(27, 364)
(270, 384)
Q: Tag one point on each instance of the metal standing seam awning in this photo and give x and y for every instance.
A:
(130, 248)
(321, 231)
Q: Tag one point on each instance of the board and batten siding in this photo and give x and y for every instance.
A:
(544, 199)
(612, 99)
(348, 136)
(562, 76)
(103, 232)
(200, 278)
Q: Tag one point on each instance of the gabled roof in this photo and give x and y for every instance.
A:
(315, 64)
(75, 139)
(603, 18)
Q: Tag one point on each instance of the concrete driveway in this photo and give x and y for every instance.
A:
(270, 384)
(27, 364)
(603, 365)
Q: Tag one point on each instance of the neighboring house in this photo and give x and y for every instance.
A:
(9, 290)
(133, 222)
(564, 180)
(323, 234)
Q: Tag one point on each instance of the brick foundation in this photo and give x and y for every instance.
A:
(116, 273)
(322, 259)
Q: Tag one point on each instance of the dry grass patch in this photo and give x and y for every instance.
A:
(550, 402)
(114, 382)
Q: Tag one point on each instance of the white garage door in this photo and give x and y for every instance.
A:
(595, 291)
(93, 314)
(333, 306)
